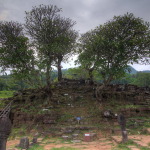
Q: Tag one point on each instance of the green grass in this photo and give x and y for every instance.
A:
(124, 146)
(64, 148)
(36, 147)
(130, 143)
(6, 94)
(144, 148)
(136, 127)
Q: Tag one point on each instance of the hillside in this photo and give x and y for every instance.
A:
(72, 100)
(74, 111)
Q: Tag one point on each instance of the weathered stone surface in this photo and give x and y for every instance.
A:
(75, 136)
(67, 137)
(76, 141)
(34, 140)
(24, 143)
(5, 129)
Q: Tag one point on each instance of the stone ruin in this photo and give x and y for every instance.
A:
(5, 130)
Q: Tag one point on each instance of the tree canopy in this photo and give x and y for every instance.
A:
(53, 34)
(112, 46)
(46, 39)
(14, 50)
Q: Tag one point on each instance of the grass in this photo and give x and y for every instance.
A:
(130, 143)
(36, 147)
(64, 148)
(6, 94)
(136, 127)
(144, 148)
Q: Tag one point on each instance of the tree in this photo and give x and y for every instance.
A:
(16, 54)
(14, 50)
(52, 36)
(142, 79)
(87, 57)
(67, 50)
(123, 40)
(76, 73)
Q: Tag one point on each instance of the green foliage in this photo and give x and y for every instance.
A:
(6, 94)
(36, 147)
(112, 46)
(142, 79)
(53, 35)
(76, 73)
(144, 148)
(14, 50)
(65, 117)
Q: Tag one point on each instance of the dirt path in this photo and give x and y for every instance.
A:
(101, 144)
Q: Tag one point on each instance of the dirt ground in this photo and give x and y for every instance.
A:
(101, 144)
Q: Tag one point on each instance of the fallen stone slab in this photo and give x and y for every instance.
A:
(67, 137)
(76, 141)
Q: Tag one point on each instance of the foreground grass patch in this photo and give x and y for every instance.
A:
(6, 94)
(36, 147)
(130, 143)
(65, 148)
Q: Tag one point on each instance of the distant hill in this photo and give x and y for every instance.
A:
(145, 71)
(134, 71)
(131, 70)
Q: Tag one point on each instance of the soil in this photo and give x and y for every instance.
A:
(101, 144)
(142, 140)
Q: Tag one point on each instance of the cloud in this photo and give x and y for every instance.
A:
(87, 13)
(4, 15)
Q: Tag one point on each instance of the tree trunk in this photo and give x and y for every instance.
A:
(48, 82)
(91, 75)
(59, 69)
(100, 89)
(99, 92)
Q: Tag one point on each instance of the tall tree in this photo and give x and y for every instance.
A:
(14, 50)
(51, 34)
(68, 48)
(87, 58)
(122, 40)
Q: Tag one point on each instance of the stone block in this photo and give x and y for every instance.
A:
(34, 140)
(24, 143)
(76, 141)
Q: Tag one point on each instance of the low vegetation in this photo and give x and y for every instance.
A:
(6, 94)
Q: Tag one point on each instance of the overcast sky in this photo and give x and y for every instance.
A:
(87, 13)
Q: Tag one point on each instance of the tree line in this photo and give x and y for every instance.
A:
(9, 83)
(47, 38)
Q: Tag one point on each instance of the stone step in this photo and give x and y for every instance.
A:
(72, 129)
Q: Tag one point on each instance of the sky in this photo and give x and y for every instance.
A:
(87, 13)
